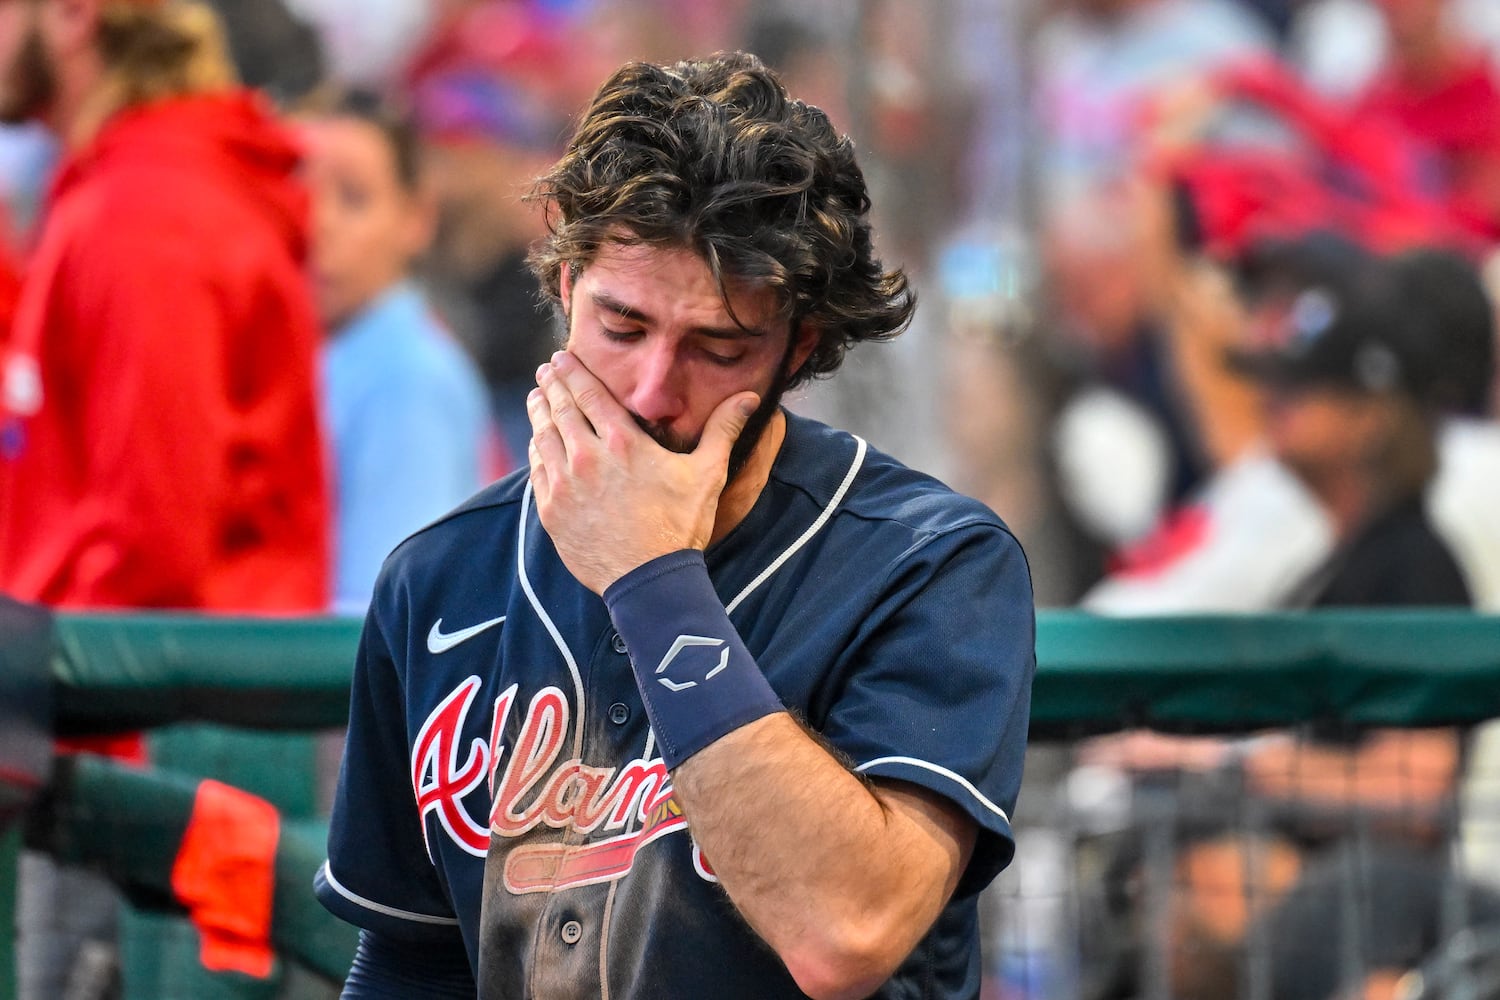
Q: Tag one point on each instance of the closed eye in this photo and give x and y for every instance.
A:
(620, 336)
(724, 360)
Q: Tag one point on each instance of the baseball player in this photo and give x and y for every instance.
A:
(713, 700)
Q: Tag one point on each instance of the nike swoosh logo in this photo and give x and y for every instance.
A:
(439, 641)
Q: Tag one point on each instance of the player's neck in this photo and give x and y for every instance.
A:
(742, 491)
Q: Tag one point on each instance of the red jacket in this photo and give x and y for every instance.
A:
(159, 439)
(1458, 118)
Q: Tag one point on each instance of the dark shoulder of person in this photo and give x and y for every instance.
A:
(1397, 560)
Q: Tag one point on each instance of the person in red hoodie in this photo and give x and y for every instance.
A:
(159, 437)
(159, 443)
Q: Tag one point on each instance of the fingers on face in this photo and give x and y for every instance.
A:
(539, 481)
(564, 408)
(562, 432)
(595, 402)
(546, 442)
(539, 412)
(728, 423)
(573, 417)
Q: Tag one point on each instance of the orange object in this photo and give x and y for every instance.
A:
(225, 874)
(127, 748)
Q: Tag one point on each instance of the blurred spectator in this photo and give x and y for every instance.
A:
(487, 90)
(407, 411)
(161, 450)
(1248, 204)
(1353, 363)
(1339, 45)
(10, 281)
(1361, 360)
(159, 439)
(1347, 924)
(1445, 91)
(1254, 531)
(1308, 164)
(1279, 14)
(1101, 63)
(1125, 445)
(1350, 394)
(28, 153)
(1462, 498)
(1459, 330)
(477, 274)
(1216, 196)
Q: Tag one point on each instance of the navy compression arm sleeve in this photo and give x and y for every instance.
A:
(388, 969)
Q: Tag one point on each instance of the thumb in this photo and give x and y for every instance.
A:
(726, 424)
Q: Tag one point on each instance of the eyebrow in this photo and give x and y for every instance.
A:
(624, 310)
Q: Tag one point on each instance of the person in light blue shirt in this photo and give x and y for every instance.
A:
(406, 409)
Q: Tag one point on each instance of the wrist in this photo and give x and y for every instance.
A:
(696, 678)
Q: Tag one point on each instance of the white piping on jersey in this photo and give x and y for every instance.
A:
(609, 907)
(541, 613)
(860, 448)
(812, 529)
(936, 769)
(381, 908)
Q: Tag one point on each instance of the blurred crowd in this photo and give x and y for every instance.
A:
(1208, 288)
(1261, 351)
(1219, 179)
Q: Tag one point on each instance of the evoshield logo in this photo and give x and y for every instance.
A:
(687, 666)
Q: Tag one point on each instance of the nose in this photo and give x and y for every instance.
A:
(659, 394)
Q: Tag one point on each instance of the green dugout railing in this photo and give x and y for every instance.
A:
(1211, 672)
(113, 673)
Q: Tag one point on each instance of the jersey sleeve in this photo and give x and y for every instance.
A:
(379, 875)
(940, 689)
(383, 969)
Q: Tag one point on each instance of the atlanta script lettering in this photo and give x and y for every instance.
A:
(629, 805)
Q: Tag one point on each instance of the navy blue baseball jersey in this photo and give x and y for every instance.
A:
(501, 780)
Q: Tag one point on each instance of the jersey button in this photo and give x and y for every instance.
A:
(572, 932)
(619, 713)
(619, 643)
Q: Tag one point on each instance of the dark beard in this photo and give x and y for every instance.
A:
(744, 445)
(32, 85)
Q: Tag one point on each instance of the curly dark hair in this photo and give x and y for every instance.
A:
(713, 155)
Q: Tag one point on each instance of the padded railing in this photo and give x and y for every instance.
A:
(1206, 672)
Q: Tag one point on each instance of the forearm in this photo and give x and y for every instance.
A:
(1393, 769)
(872, 867)
(840, 884)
